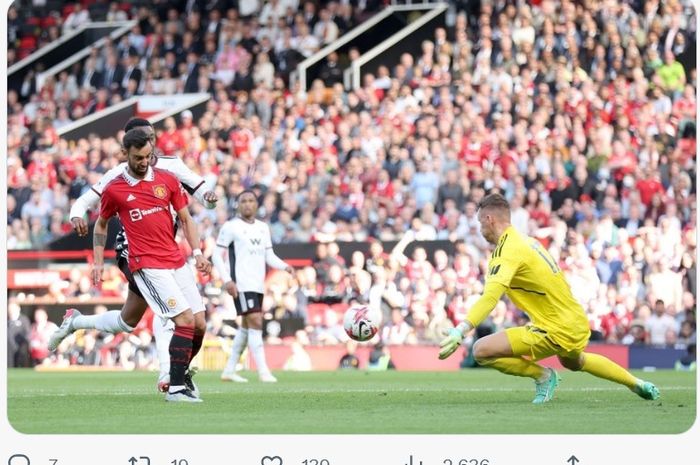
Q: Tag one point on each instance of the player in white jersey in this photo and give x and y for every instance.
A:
(244, 250)
(124, 320)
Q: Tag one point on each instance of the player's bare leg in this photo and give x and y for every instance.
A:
(602, 367)
(180, 355)
(239, 343)
(133, 309)
(255, 343)
(496, 351)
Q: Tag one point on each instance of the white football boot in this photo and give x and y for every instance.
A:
(64, 330)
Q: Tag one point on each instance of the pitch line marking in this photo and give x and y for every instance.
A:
(124, 392)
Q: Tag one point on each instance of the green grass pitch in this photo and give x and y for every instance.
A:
(470, 401)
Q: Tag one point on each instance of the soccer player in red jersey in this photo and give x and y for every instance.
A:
(126, 319)
(142, 197)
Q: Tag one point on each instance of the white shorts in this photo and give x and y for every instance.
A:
(169, 292)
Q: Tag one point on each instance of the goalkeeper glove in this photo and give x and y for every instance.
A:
(453, 340)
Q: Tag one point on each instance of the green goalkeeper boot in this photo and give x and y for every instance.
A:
(544, 390)
(647, 390)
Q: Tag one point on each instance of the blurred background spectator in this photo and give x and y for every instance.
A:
(349, 360)
(18, 332)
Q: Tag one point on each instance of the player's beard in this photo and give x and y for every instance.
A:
(139, 171)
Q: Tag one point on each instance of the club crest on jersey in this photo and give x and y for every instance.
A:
(160, 191)
(171, 303)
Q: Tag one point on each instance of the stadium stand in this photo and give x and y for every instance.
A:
(582, 114)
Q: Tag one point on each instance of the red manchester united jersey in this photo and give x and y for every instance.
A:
(143, 206)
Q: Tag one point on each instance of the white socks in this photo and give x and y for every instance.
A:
(255, 342)
(252, 337)
(163, 332)
(239, 343)
(110, 322)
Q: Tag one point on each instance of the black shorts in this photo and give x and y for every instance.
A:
(123, 265)
(248, 302)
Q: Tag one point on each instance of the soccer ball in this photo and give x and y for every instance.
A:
(360, 323)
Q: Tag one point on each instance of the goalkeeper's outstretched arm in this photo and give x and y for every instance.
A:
(479, 311)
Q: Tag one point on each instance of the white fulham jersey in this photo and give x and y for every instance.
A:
(249, 251)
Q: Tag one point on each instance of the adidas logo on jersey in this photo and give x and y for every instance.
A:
(130, 198)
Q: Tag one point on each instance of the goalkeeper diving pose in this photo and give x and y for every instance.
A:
(522, 268)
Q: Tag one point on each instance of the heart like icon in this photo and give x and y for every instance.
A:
(267, 460)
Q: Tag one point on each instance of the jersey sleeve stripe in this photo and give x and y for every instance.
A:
(528, 290)
(95, 191)
(198, 186)
(191, 190)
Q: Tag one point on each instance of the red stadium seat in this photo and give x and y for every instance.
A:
(340, 308)
(319, 309)
(28, 42)
(68, 9)
(314, 310)
(47, 22)
(33, 21)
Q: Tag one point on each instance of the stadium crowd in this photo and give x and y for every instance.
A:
(579, 112)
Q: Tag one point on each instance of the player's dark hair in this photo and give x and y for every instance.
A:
(136, 123)
(136, 138)
(496, 202)
(247, 191)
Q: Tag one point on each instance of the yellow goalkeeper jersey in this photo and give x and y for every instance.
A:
(536, 285)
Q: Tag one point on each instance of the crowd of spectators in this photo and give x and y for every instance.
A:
(579, 112)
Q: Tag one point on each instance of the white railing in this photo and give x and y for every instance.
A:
(436, 9)
(336, 44)
(122, 28)
(164, 105)
(302, 67)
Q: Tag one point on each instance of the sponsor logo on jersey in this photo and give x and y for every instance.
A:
(255, 241)
(130, 198)
(160, 191)
(172, 303)
(137, 214)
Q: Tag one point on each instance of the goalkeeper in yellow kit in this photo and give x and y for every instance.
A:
(522, 269)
